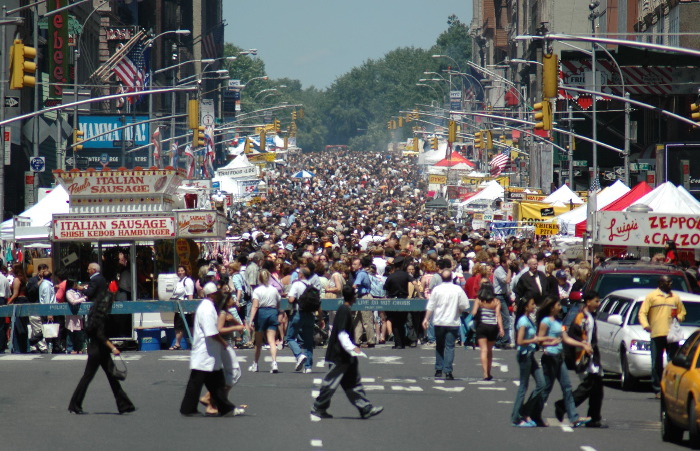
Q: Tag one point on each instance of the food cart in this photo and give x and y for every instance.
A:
(129, 212)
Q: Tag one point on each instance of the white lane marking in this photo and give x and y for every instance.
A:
(317, 381)
(317, 443)
(427, 360)
(321, 364)
(131, 357)
(517, 383)
(367, 380)
(373, 387)
(504, 368)
(280, 359)
(493, 388)
(587, 448)
(506, 402)
(450, 389)
(20, 357)
(439, 381)
(314, 418)
(388, 360)
(482, 383)
(179, 358)
(409, 388)
(401, 381)
(315, 393)
(554, 422)
(567, 429)
(66, 357)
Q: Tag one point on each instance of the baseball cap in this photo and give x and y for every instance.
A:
(471, 254)
(211, 273)
(209, 288)
(561, 274)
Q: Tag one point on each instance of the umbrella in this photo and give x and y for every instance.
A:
(303, 175)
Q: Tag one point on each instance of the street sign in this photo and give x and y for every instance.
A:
(38, 164)
(104, 159)
(118, 143)
(83, 162)
(565, 173)
(7, 142)
(581, 163)
(206, 112)
(11, 102)
(619, 170)
(216, 185)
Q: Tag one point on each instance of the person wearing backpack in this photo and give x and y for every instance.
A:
(302, 293)
(588, 366)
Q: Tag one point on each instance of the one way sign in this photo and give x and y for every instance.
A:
(11, 102)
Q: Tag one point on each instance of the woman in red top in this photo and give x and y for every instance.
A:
(480, 274)
(671, 252)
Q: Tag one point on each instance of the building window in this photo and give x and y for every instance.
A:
(674, 19)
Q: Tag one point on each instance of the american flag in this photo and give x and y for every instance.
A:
(131, 69)
(190, 161)
(213, 42)
(208, 166)
(499, 162)
(155, 140)
(174, 157)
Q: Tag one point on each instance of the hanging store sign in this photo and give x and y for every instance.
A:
(200, 224)
(546, 229)
(237, 173)
(647, 229)
(437, 179)
(58, 49)
(106, 127)
(113, 227)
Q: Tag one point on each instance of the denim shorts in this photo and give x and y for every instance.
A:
(266, 319)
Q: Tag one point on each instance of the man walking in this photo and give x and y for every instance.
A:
(501, 288)
(301, 324)
(447, 302)
(657, 311)
(532, 281)
(344, 367)
(396, 286)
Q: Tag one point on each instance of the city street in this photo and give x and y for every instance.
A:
(420, 412)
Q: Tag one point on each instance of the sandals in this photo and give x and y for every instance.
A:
(175, 348)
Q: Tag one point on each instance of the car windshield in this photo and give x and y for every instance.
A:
(610, 282)
(692, 316)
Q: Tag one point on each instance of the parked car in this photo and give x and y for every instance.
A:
(680, 394)
(621, 274)
(625, 347)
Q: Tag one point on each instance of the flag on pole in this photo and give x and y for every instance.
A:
(155, 140)
(174, 157)
(213, 42)
(498, 163)
(209, 155)
(189, 155)
(131, 70)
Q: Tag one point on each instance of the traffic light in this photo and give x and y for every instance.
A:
(543, 115)
(294, 115)
(400, 121)
(277, 125)
(22, 71)
(502, 139)
(193, 113)
(550, 76)
(415, 144)
(452, 131)
(198, 136)
(77, 139)
(246, 147)
(695, 112)
(489, 140)
(478, 140)
(434, 142)
(388, 125)
(301, 113)
(263, 137)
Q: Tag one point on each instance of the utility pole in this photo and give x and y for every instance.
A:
(628, 108)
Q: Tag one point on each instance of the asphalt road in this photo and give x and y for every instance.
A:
(420, 412)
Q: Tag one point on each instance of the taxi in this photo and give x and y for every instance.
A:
(680, 393)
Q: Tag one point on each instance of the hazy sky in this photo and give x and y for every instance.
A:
(316, 41)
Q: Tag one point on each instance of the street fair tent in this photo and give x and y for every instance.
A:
(667, 198)
(620, 204)
(56, 201)
(563, 196)
(569, 220)
(454, 160)
(433, 156)
(303, 175)
(492, 191)
(239, 167)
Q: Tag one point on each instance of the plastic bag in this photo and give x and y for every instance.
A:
(675, 333)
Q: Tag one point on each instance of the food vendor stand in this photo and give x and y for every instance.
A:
(129, 211)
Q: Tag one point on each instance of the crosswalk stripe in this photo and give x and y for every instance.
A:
(493, 388)
(373, 387)
(409, 388)
(21, 357)
(450, 389)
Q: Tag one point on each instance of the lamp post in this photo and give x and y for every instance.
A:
(255, 97)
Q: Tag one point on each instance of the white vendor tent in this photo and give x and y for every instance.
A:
(568, 220)
(492, 191)
(40, 215)
(563, 196)
(238, 168)
(667, 198)
(433, 156)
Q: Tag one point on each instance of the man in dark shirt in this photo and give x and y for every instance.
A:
(396, 286)
(533, 281)
(342, 355)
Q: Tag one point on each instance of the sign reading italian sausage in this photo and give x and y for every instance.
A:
(647, 229)
(116, 227)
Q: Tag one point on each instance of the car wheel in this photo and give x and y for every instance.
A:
(693, 424)
(627, 381)
(669, 431)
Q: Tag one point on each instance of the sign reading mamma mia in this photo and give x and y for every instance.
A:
(101, 131)
(648, 229)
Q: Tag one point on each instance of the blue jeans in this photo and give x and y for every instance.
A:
(301, 325)
(430, 333)
(505, 317)
(554, 367)
(533, 407)
(445, 337)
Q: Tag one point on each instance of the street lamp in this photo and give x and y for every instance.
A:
(255, 97)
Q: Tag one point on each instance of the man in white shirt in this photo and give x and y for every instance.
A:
(206, 366)
(301, 324)
(447, 301)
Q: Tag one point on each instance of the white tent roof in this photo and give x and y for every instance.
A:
(667, 198)
(563, 195)
(568, 220)
(433, 156)
(41, 213)
(493, 190)
(241, 161)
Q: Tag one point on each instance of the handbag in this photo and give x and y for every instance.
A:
(117, 373)
(50, 330)
(675, 333)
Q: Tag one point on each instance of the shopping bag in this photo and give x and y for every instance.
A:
(675, 333)
(50, 330)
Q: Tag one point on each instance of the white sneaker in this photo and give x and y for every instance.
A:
(253, 368)
(307, 370)
(300, 362)
(274, 367)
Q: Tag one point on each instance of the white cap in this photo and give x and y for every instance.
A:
(209, 288)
